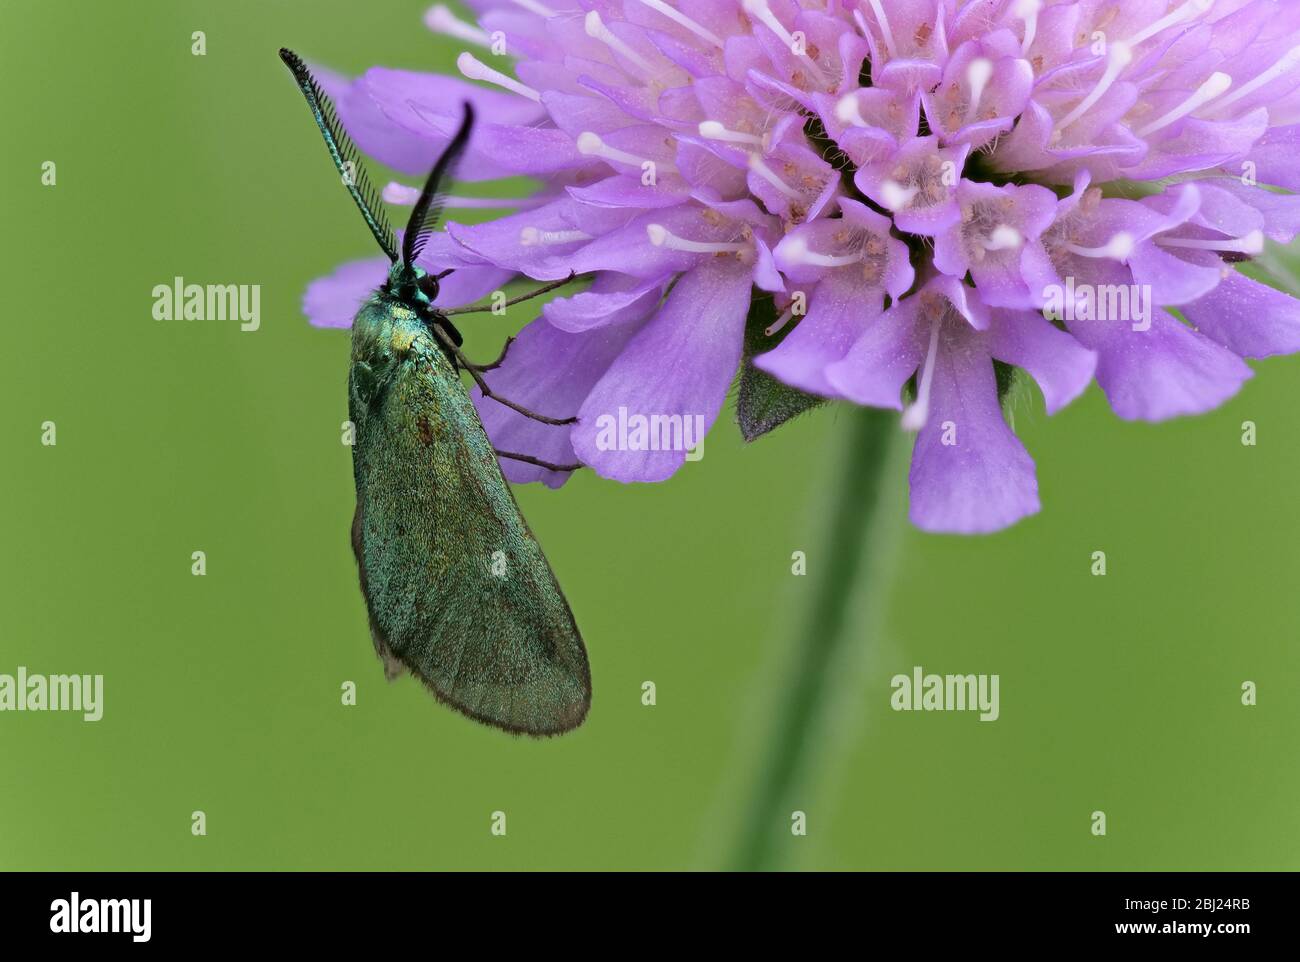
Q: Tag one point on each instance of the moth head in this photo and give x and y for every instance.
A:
(414, 287)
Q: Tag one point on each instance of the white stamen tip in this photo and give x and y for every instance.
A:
(895, 196)
(470, 66)
(657, 233)
(1004, 238)
(979, 73)
(1028, 10)
(847, 111)
(395, 193)
(440, 19)
(795, 249)
(1121, 247)
(529, 236)
(590, 143)
(1218, 83)
(915, 416)
(597, 30)
(1253, 243)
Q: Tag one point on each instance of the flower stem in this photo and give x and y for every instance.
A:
(839, 622)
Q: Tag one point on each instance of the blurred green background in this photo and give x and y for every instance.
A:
(222, 693)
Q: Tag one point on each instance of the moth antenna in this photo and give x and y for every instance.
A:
(427, 210)
(344, 153)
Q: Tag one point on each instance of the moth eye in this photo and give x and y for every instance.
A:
(429, 286)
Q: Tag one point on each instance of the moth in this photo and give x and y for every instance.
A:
(457, 588)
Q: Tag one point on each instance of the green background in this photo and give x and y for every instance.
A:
(1119, 693)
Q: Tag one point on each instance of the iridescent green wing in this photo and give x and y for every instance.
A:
(457, 587)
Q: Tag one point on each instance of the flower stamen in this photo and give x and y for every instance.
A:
(918, 412)
(474, 69)
(597, 30)
(763, 13)
(1119, 248)
(532, 6)
(661, 236)
(1218, 83)
(1284, 66)
(590, 144)
(795, 250)
(1120, 56)
(395, 193)
(978, 75)
(883, 22)
(440, 19)
(780, 322)
(1186, 12)
(716, 131)
(1251, 244)
(1027, 10)
(682, 20)
(758, 166)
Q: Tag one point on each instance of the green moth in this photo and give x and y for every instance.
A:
(457, 588)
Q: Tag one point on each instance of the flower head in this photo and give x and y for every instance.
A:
(898, 200)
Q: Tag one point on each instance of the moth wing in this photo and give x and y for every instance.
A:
(458, 589)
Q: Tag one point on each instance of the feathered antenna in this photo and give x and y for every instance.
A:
(427, 210)
(345, 154)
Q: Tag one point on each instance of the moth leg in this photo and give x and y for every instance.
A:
(488, 392)
(464, 362)
(501, 358)
(529, 459)
(514, 300)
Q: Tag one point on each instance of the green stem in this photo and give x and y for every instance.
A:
(839, 623)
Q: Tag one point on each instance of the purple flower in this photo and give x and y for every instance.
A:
(900, 200)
